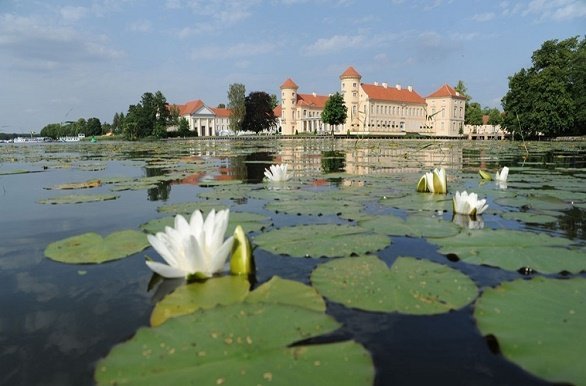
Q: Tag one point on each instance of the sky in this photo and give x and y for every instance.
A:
(62, 60)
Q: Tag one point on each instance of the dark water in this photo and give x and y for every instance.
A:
(57, 320)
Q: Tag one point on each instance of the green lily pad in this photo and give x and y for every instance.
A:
(530, 217)
(412, 226)
(514, 250)
(314, 206)
(251, 222)
(410, 286)
(230, 192)
(322, 240)
(539, 325)
(240, 344)
(542, 202)
(78, 199)
(419, 201)
(187, 208)
(234, 289)
(92, 248)
(200, 295)
(283, 291)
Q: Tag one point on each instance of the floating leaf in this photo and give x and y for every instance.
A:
(410, 286)
(187, 208)
(200, 295)
(412, 226)
(244, 344)
(423, 201)
(314, 206)
(322, 240)
(539, 325)
(541, 202)
(251, 222)
(283, 291)
(530, 217)
(78, 199)
(514, 250)
(91, 248)
(79, 185)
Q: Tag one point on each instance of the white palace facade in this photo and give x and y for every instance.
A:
(372, 108)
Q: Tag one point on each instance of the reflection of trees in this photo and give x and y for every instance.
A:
(251, 167)
(333, 161)
(163, 189)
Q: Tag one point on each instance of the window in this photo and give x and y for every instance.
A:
(354, 84)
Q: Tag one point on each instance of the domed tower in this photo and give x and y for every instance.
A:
(288, 107)
(350, 84)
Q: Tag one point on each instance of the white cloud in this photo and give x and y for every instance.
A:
(557, 10)
(140, 26)
(73, 14)
(332, 44)
(483, 17)
(29, 43)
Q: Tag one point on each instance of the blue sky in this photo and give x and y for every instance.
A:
(61, 60)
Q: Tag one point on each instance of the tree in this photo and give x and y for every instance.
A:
(236, 104)
(259, 114)
(150, 117)
(548, 97)
(93, 127)
(183, 127)
(474, 114)
(495, 117)
(335, 111)
(221, 106)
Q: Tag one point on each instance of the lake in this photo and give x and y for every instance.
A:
(60, 319)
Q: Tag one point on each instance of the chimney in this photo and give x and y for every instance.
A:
(376, 83)
(410, 88)
(398, 86)
(314, 94)
(385, 85)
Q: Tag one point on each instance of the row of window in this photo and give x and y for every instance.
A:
(385, 109)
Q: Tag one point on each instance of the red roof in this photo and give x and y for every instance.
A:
(221, 112)
(350, 73)
(189, 107)
(289, 84)
(446, 91)
(312, 100)
(278, 110)
(392, 94)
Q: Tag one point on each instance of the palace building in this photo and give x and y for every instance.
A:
(372, 108)
(375, 108)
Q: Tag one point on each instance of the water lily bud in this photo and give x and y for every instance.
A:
(241, 262)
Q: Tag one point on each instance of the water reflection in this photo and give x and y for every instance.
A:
(163, 188)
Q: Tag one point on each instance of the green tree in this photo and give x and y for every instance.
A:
(335, 111)
(183, 127)
(474, 114)
(546, 98)
(259, 114)
(236, 104)
(93, 127)
(150, 117)
(495, 117)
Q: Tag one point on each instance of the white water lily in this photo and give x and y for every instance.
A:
(502, 176)
(469, 204)
(278, 173)
(194, 247)
(435, 181)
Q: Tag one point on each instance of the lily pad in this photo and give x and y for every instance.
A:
(314, 206)
(92, 248)
(244, 344)
(200, 295)
(250, 222)
(78, 199)
(187, 208)
(283, 291)
(542, 202)
(419, 201)
(412, 226)
(410, 286)
(79, 185)
(539, 325)
(322, 240)
(234, 289)
(530, 217)
(514, 250)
